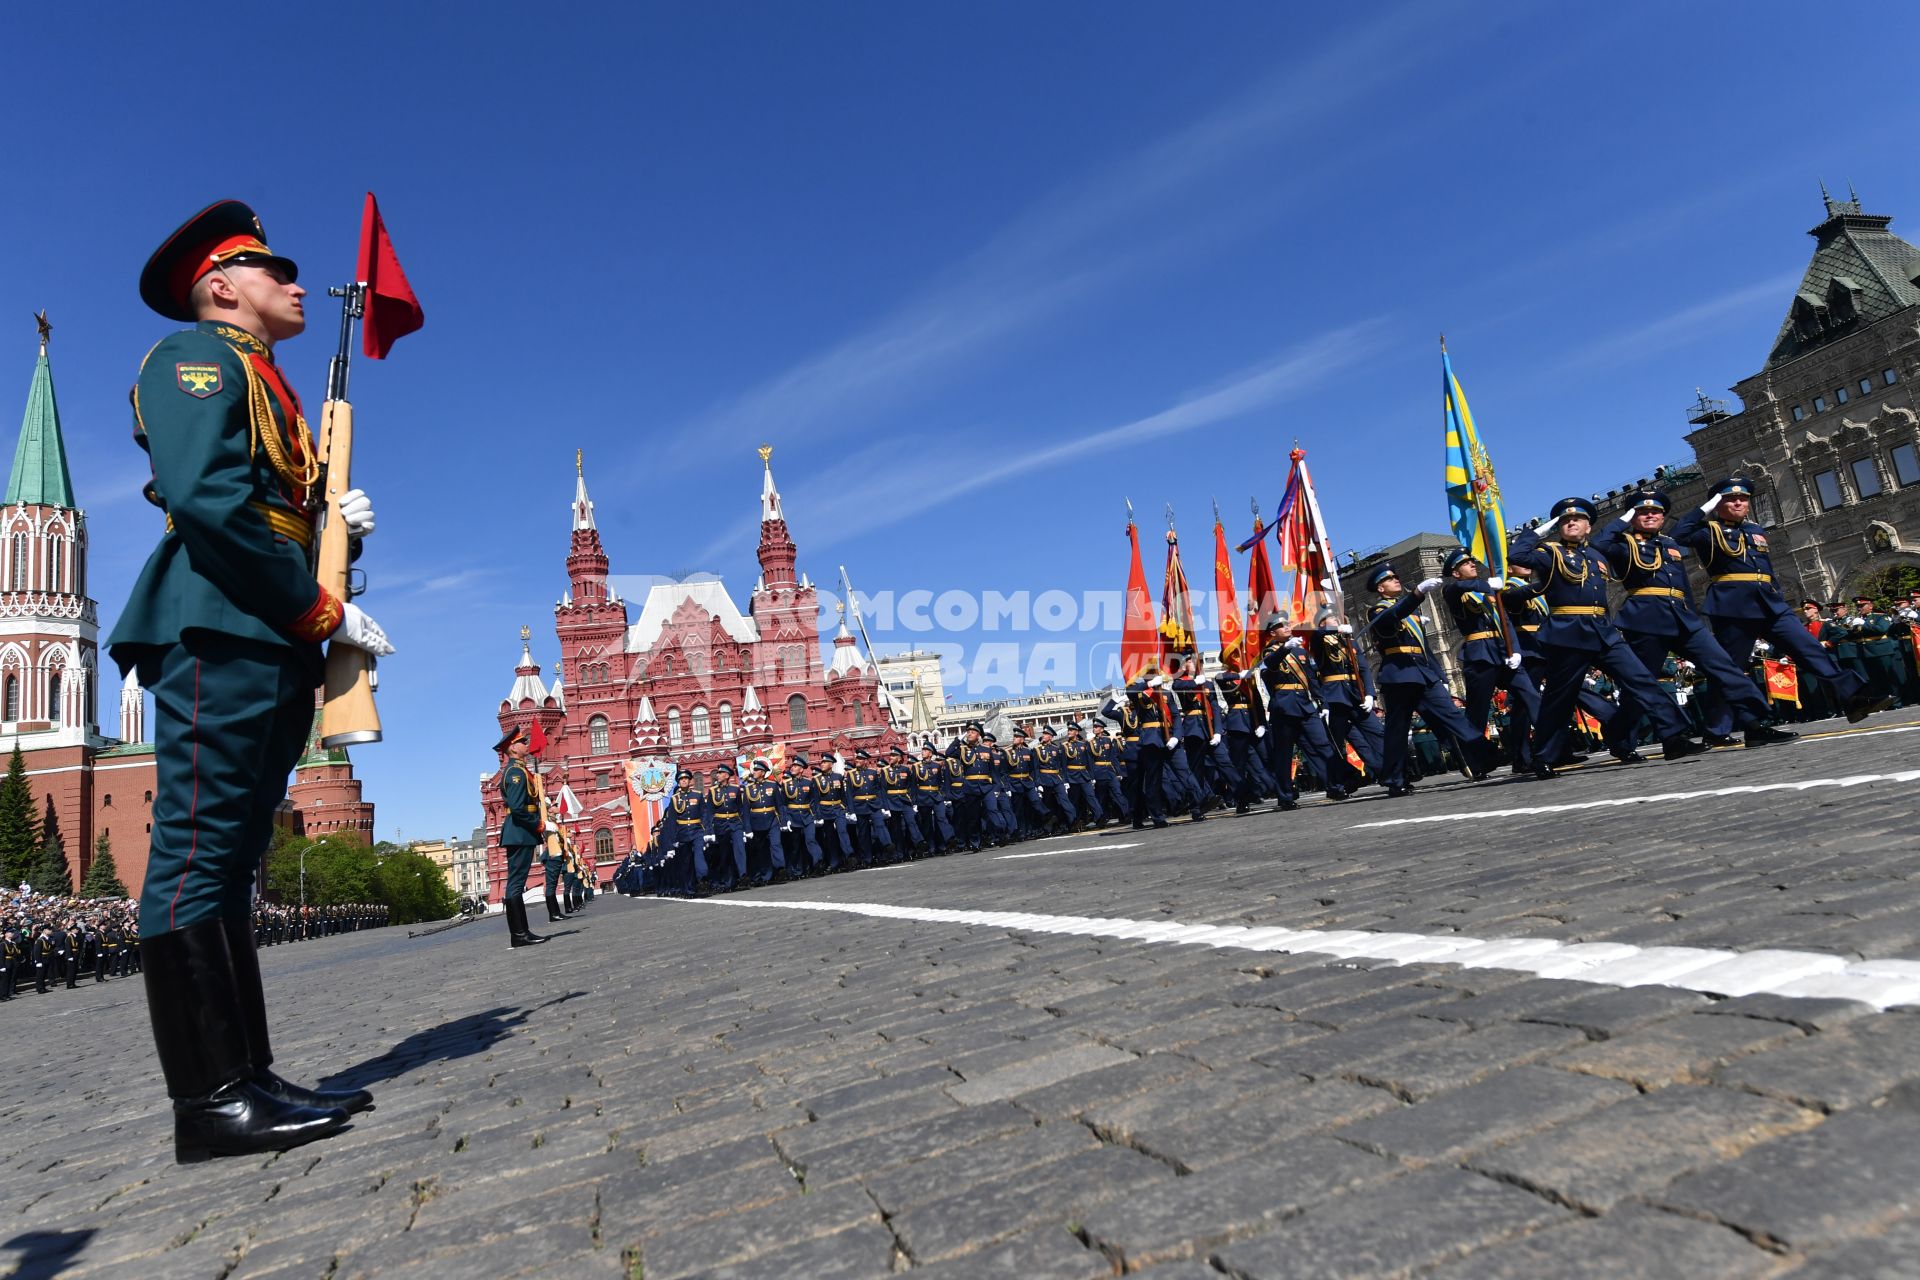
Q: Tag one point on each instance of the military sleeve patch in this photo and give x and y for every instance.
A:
(198, 380)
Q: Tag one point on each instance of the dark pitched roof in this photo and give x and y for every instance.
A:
(1861, 272)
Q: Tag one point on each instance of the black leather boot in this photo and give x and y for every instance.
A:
(518, 933)
(553, 908)
(253, 1008)
(200, 1030)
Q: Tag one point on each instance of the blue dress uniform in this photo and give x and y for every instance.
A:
(1410, 680)
(796, 800)
(1023, 786)
(1579, 635)
(763, 828)
(685, 830)
(1077, 762)
(1239, 725)
(1107, 770)
(976, 780)
(1294, 721)
(1484, 660)
(830, 797)
(896, 788)
(871, 837)
(1146, 712)
(725, 804)
(1340, 677)
(1000, 818)
(1189, 763)
(1745, 606)
(930, 799)
(1657, 618)
(1050, 776)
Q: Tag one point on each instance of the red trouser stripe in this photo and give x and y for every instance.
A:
(193, 810)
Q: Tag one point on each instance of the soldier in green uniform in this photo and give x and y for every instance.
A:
(1879, 651)
(224, 626)
(519, 834)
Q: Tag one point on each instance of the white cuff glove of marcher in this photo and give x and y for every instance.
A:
(1260, 731)
(1173, 742)
(1366, 703)
(1513, 661)
(1345, 628)
(1427, 585)
(1713, 500)
(1326, 715)
(1214, 741)
(1154, 682)
(356, 509)
(1497, 582)
(362, 632)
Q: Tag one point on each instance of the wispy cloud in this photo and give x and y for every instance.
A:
(1082, 239)
(862, 492)
(1680, 327)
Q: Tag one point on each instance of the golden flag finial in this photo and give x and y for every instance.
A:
(526, 634)
(579, 465)
(766, 453)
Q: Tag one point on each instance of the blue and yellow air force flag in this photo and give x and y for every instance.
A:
(1473, 495)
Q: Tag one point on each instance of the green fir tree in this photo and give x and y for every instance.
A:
(103, 878)
(19, 832)
(51, 875)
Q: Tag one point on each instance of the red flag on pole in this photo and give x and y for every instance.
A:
(1139, 639)
(536, 739)
(1262, 601)
(392, 310)
(1176, 604)
(1233, 635)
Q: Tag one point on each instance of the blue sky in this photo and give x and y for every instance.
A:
(977, 271)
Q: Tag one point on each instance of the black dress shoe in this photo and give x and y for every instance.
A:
(1394, 793)
(347, 1100)
(1630, 756)
(1543, 772)
(1337, 793)
(242, 1119)
(1765, 735)
(1680, 748)
(1863, 705)
(1718, 739)
(1159, 824)
(1286, 806)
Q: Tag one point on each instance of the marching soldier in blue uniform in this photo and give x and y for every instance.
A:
(1077, 762)
(1579, 635)
(798, 820)
(1744, 604)
(724, 805)
(1293, 720)
(1147, 711)
(767, 856)
(686, 833)
(1243, 725)
(1050, 776)
(224, 626)
(1485, 661)
(1189, 749)
(999, 796)
(976, 780)
(897, 788)
(830, 799)
(871, 837)
(1340, 677)
(1657, 619)
(1107, 771)
(1023, 782)
(1410, 680)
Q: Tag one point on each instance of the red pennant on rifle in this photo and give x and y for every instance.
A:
(392, 310)
(536, 740)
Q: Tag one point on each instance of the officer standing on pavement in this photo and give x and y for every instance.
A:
(520, 834)
(224, 626)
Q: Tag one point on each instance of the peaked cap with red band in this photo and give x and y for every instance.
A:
(225, 232)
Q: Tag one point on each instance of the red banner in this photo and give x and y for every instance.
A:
(1176, 604)
(1783, 682)
(1139, 638)
(392, 310)
(1262, 601)
(1233, 636)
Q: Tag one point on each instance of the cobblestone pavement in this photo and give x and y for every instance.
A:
(675, 1089)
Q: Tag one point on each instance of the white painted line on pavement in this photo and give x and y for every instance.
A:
(1805, 784)
(1802, 974)
(1050, 853)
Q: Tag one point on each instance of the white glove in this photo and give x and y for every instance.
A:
(1345, 628)
(356, 509)
(1214, 741)
(706, 839)
(1855, 623)
(1260, 731)
(362, 632)
(1295, 645)
(1546, 526)
(1173, 742)
(1326, 716)
(786, 826)
(1713, 500)
(1496, 583)
(1513, 661)
(1426, 585)
(1366, 703)
(1154, 682)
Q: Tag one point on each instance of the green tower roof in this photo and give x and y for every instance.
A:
(40, 461)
